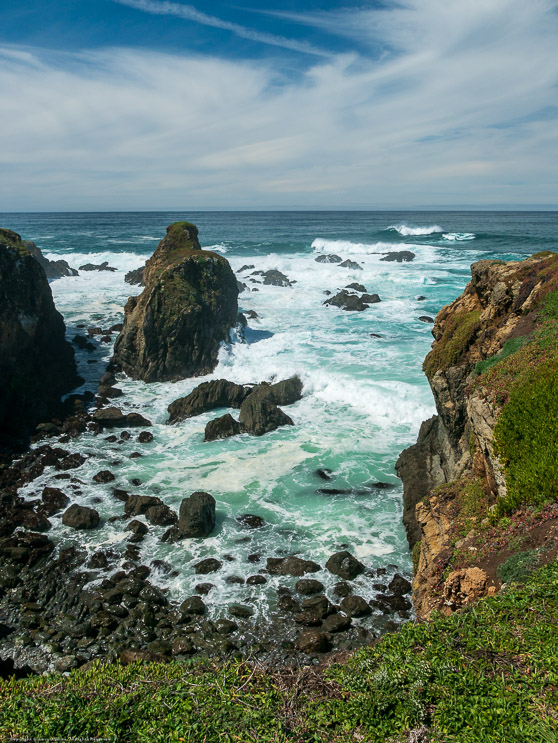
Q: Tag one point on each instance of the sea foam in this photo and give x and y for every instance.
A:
(407, 231)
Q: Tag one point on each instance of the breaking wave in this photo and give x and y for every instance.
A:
(407, 231)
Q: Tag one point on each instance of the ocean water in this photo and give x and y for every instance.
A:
(364, 396)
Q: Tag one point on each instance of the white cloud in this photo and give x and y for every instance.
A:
(464, 112)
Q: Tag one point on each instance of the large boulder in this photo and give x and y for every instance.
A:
(36, 363)
(207, 396)
(197, 515)
(188, 307)
(259, 413)
(344, 565)
(80, 517)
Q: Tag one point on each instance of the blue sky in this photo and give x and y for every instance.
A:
(161, 104)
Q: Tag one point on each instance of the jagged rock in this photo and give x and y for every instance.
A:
(400, 585)
(71, 462)
(54, 500)
(161, 515)
(276, 278)
(400, 256)
(81, 517)
(328, 259)
(138, 505)
(241, 610)
(135, 278)
(81, 342)
(245, 268)
(351, 264)
(115, 418)
(36, 363)
(207, 396)
(188, 307)
(53, 269)
(145, 437)
(104, 266)
(318, 605)
(222, 428)
(346, 301)
(464, 586)
(291, 566)
(344, 565)
(197, 515)
(137, 527)
(109, 392)
(259, 413)
(287, 391)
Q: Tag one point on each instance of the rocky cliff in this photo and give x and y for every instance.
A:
(52, 269)
(36, 363)
(188, 307)
(487, 459)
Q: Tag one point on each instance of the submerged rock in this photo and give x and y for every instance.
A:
(188, 307)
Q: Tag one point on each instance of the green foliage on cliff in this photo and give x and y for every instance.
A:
(459, 333)
(487, 674)
(510, 346)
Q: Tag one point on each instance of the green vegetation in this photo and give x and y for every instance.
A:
(510, 346)
(519, 567)
(487, 675)
(459, 333)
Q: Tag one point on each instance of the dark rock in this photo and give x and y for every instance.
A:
(209, 565)
(109, 392)
(308, 619)
(134, 277)
(241, 286)
(355, 606)
(135, 455)
(137, 527)
(400, 585)
(225, 626)
(334, 491)
(182, 646)
(81, 517)
(161, 515)
(208, 396)
(145, 437)
(421, 298)
(342, 589)
(203, 588)
(135, 420)
(222, 428)
(104, 266)
(276, 278)
(245, 268)
(54, 500)
(383, 485)
(308, 586)
(234, 580)
(250, 521)
(291, 566)
(344, 565)
(394, 603)
(120, 494)
(336, 623)
(189, 305)
(400, 256)
(346, 301)
(109, 418)
(328, 259)
(252, 315)
(152, 595)
(370, 298)
(52, 269)
(197, 515)
(426, 318)
(259, 413)
(317, 605)
(254, 557)
(375, 335)
(256, 580)
(287, 391)
(241, 610)
(104, 476)
(193, 605)
(287, 603)
(313, 641)
(137, 505)
(351, 264)
(71, 462)
(356, 287)
(129, 656)
(81, 342)
(325, 474)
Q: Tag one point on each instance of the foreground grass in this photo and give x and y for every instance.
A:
(487, 674)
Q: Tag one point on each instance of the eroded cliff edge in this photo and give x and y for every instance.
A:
(481, 483)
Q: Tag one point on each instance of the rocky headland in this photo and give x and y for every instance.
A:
(481, 482)
(187, 308)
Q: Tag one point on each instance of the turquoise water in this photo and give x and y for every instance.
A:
(364, 397)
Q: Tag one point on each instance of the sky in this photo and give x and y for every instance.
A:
(371, 104)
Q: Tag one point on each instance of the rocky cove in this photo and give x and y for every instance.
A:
(117, 600)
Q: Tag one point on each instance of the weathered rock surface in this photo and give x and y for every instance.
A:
(197, 515)
(400, 256)
(329, 259)
(135, 277)
(222, 428)
(260, 414)
(97, 267)
(36, 363)
(188, 307)
(208, 396)
(344, 565)
(81, 517)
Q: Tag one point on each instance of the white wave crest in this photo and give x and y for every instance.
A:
(458, 236)
(406, 231)
(219, 247)
(320, 245)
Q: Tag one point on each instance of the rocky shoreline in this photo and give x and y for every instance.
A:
(62, 607)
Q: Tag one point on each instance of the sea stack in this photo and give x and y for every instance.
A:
(188, 307)
(36, 363)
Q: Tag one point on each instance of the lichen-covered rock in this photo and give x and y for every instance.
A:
(36, 363)
(188, 307)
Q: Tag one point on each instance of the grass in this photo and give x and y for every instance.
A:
(510, 346)
(459, 332)
(486, 675)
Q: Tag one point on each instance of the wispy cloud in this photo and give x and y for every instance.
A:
(190, 13)
(462, 112)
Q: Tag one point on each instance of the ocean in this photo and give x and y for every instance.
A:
(365, 395)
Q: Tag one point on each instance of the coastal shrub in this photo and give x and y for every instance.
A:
(488, 674)
(510, 346)
(518, 567)
(459, 333)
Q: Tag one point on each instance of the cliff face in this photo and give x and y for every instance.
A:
(188, 307)
(454, 470)
(36, 363)
(52, 269)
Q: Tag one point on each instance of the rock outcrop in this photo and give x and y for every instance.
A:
(188, 307)
(52, 269)
(36, 363)
(501, 304)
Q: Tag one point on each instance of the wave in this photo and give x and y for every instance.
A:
(458, 236)
(219, 247)
(320, 245)
(407, 231)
